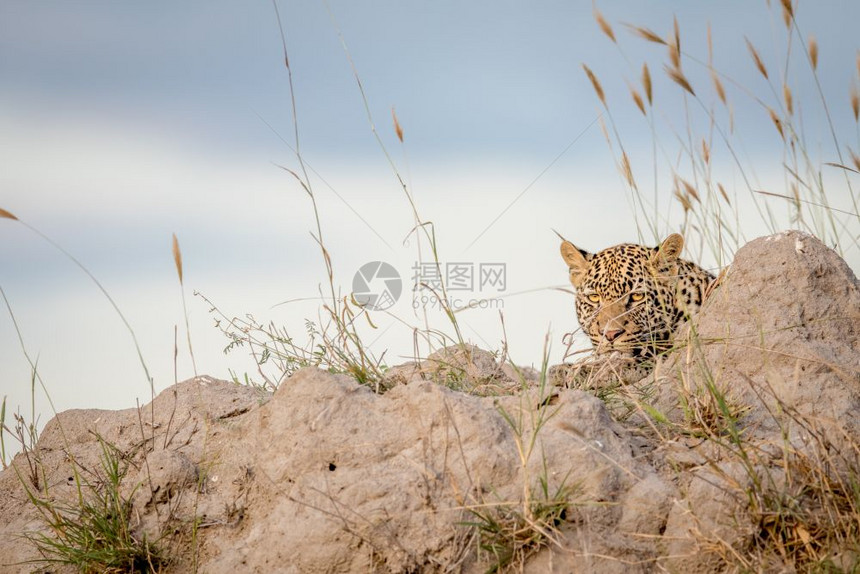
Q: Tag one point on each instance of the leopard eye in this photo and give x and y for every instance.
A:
(636, 297)
(594, 297)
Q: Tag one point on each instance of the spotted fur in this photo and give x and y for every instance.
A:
(631, 298)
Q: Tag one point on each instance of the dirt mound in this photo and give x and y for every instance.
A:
(324, 475)
(783, 327)
(770, 375)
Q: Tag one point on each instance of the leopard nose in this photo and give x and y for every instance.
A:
(613, 334)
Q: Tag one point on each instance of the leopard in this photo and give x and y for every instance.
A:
(631, 298)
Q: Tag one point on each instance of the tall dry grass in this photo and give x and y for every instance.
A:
(697, 147)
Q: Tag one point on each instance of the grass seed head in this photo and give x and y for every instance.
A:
(679, 78)
(718, 85)
(723, 193)
(177, 257)
(691, 191)
(604, 131)
(604, 25)
(674, 56)
(6, 215)
(685, 203)
(710, 47)
(626, 170)
(776, 122)
(854, 158)
(789, 101)
(675, 46)
(637, 98)
(397, 129)
(646, 34)
(596, 83)
(855, 103)
(787, 12)
(813, 52)
(756, 58)
(646, 83)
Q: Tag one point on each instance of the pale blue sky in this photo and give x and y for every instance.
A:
(121, 123)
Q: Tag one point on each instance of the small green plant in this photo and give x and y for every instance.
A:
(95, 532)
(335, 347)
(709, 410)
(511, 532)
(25, 433)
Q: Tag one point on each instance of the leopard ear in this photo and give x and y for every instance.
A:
(670, 249)
(577, 260)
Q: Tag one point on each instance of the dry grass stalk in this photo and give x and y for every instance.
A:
(787, 12)
(677, 31)
(813, 52)
(679, 78)
(646, 34)
(776, 122)
(691, 191)
(637, 98)
(604, 25)
(397, 129)
(795, 191)
(6, 215)
(789, 101)
(646, 84)
(177, 257)
(683, 199)
(706, 151)
(718, 85)
(604, 131)
(594, 82)
(625, 169)
(855, 102)
(674, 56)
(710, 48)
(855, 158)
(723, 193)
(675, 46)
(756, 58)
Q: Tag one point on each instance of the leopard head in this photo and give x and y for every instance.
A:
(625, 295)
